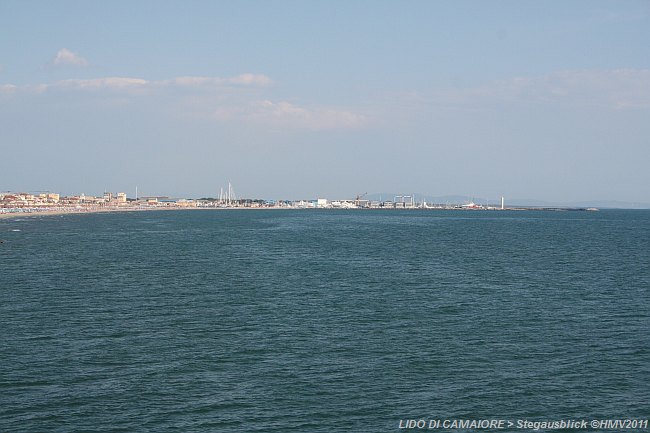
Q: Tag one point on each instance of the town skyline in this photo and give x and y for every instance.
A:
(229, 196)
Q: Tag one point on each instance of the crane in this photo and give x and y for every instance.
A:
(359, 197)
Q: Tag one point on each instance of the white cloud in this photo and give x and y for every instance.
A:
(101, 83)
(67, 57)
(619, 89)
(242, 80)
(7, 89)
(207, 99)
(96, 84)
(191, 81)
(251, 79)
(286, 115)
(131, 83)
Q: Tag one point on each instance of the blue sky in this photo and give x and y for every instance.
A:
(296, 99)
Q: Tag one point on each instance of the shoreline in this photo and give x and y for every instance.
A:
(74, 211)
(55, 212)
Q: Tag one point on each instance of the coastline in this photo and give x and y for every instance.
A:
(55, 212)
(73, 211)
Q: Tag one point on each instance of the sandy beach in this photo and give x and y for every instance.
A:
(73, 211)
(54, 212)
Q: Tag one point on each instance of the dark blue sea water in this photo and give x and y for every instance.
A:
(321, 321)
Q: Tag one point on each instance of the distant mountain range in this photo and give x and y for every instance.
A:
(462, 199)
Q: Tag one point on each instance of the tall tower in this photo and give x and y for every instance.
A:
(503, 202)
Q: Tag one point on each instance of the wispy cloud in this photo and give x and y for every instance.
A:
(206, 97)
(7, 89)
(97, 84)
(251, 79)
(132, 83)
(613, 89)
(101, 83)
(618, 89)
(65, 57)
(604, 16)
(286, 115)
(194, 81)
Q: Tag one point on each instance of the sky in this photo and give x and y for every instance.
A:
(304, 99)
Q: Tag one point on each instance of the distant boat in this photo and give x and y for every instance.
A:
(593, 209)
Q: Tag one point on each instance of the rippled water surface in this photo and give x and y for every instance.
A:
(321, 321)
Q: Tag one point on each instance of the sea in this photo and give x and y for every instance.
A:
(323, 320)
